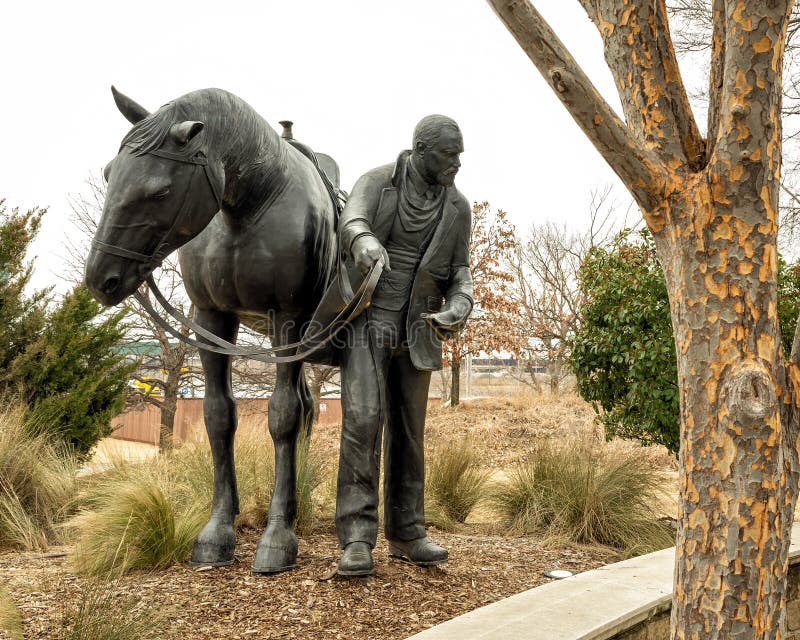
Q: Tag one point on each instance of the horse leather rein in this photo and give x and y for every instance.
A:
(162, 249)
(305, 346)
(308, 344)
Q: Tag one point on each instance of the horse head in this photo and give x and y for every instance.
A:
(164, 187)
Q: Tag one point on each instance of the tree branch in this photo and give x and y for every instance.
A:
(755, 35)
(717, 73)
(639, 52)
(636, 166)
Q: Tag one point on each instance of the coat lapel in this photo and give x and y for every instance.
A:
(384, 216)
(449, 215)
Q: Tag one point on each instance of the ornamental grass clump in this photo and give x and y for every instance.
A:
(455, 482)
(585, 493)
(138, 524)
(146, 515)
(37, 482)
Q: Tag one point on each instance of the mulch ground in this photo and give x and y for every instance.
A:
(231, 602)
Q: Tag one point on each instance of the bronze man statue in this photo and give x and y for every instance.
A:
(410, 214)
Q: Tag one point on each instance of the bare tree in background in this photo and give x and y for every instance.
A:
(545, 266)
(494, 324)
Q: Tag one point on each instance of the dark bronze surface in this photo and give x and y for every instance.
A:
(256, 231)
(409, 214)
(255, 226)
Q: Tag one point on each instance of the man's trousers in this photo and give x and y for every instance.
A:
(380, 385)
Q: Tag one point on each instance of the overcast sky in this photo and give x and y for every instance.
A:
(354, 75)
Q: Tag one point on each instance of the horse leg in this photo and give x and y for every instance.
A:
(215, 544)
(277, 548)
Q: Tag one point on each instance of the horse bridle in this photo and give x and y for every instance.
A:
(309, 344)
(162, 250)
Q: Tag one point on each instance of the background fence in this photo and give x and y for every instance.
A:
(142, 423)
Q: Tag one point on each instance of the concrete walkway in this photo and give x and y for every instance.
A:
(594, 605)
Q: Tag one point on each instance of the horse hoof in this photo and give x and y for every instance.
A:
(214, 546)
(276, 551)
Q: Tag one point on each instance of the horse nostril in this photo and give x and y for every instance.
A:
(110, 285)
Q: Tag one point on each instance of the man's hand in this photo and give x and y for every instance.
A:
(366, 252)
(448, 320)
(452, 318)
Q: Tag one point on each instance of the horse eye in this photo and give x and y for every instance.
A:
(160, 195)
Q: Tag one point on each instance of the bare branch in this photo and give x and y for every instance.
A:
(752, 74)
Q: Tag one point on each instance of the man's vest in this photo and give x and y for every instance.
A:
(405, 249)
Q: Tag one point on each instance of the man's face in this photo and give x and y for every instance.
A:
(441, 162)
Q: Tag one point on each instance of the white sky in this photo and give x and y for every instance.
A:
(354, 75)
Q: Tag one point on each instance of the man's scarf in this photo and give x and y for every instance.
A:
(419, 202)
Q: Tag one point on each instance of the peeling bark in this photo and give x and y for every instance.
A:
(713, 215)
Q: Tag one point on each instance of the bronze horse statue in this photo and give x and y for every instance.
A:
(255, 227)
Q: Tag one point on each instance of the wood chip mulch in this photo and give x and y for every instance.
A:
(308, 602)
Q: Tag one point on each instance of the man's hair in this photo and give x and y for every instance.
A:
(430, 128)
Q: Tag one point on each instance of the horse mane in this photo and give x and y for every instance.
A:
(233, 129)
(236, 134)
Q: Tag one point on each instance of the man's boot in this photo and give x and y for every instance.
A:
(356, 560)
(421, 551)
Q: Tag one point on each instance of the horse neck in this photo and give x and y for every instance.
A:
(255, 160)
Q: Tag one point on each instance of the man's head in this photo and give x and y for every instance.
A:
(437, 147)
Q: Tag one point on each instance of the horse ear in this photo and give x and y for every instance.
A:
(132, 110)
(185, 131)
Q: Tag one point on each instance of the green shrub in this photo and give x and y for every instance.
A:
(623, 355)
(455, 483)
(102, 615)
(61, 356)
(147, 515)
(37, 482)
(587, 494)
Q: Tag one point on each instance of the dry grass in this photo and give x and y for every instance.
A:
(455, 482)
(99, 615)
(509, 429)
(134, 526)
(37, 481)
(581, 492)
(10, 619)
(146, 515)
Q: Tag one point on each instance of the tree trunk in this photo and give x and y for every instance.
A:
(169, 408)
(555, 379)
(455, 382)
(554, 368)
(316, 393)
(712, 207)
(532, 366)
